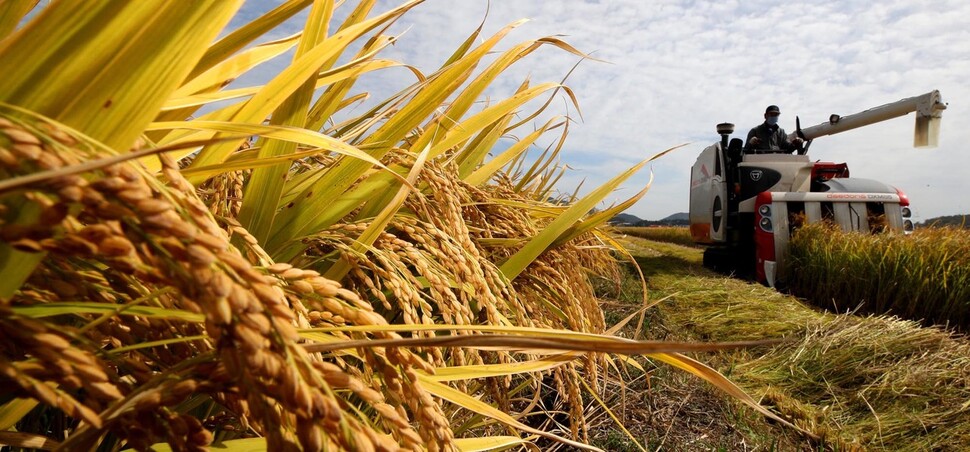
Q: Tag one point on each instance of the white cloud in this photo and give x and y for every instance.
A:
(677, 68)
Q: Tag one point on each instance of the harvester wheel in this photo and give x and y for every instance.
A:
(719, 260)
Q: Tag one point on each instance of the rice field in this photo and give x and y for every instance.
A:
(670, 234)
(857, 382)
(924, 276)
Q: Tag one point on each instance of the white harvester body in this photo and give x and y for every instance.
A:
(744, 206)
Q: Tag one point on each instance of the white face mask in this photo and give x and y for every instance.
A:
(771, 120)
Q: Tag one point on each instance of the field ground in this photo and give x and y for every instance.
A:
(856, 383)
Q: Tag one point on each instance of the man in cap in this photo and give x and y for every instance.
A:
(768, 137)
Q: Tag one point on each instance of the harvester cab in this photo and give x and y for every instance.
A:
(744, 206)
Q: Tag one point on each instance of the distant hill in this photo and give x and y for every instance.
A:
(677, 219)
(679, 216)
(625, 219)
(949, 220)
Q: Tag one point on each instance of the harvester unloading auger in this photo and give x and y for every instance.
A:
(744, 205)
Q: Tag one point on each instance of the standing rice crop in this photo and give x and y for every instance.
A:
(671, 234)
(923, 276)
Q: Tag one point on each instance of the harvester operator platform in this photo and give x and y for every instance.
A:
(769, 138)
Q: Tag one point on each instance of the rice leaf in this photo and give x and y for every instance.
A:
(12, 13)
(464, 101)
(28, 441)
(596, 343)
(464, 130)
(599, 218)
(315, 211)
(713, 377)
(380, 222)
(261, 196)
(529, 179)
(542, 241)
(250, 162)
(485, 172)
(352, 69)
(257, 444)
(63, 308)
(329, 102)
(488, 443)
(469, 372)
(291, 79)
(475, 151)
(195, 100)
(101, 68)
(477, 406)
(159, 343)
(13, 411)
(244, 35)
(292, 134)
(228, 70)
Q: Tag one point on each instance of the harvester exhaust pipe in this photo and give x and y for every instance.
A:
(725, 129)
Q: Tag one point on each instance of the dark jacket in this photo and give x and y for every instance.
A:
(773, 139)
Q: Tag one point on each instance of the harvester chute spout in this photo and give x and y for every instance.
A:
(928, 107)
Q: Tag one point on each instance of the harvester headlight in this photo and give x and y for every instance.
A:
(765, 224)
(907, 213)
(765, 210)
(908, 225)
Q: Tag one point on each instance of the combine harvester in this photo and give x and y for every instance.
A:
(744, 206)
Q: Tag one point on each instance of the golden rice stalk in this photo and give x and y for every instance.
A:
(922, 275)
(434, 265)
(164, 235)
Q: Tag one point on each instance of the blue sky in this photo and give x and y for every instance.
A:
(674, 69)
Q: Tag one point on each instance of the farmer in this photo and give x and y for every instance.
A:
(768, 137)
